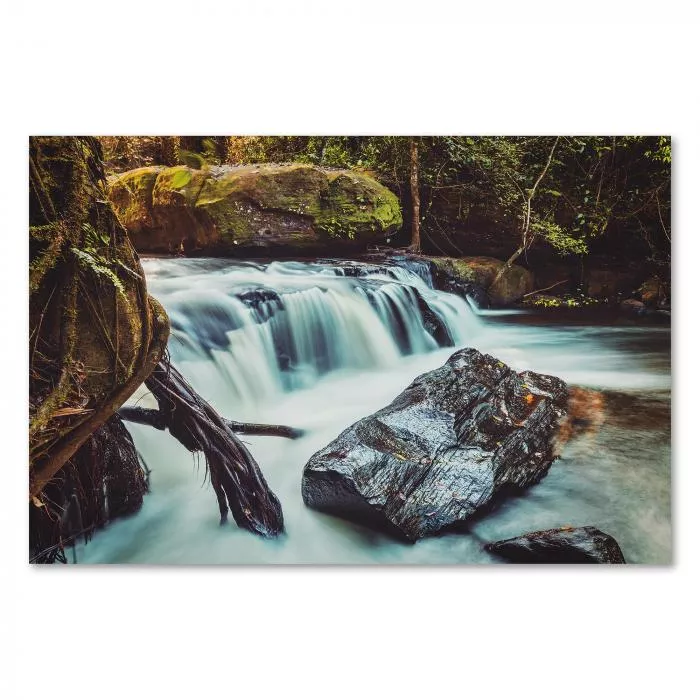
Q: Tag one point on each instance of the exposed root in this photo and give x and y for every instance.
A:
(104, 479)
(237, 480)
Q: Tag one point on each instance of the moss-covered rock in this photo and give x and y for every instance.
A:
(132, 196)
(221, 209)
(357, 207)
(480, 270)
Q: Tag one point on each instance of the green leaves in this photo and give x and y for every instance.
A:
(563, 240)
(594, 184)
(180, 178)
(93, 238)
(99, 266)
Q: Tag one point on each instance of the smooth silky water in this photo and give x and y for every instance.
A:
(320, 345)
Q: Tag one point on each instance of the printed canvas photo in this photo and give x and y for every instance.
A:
(354, 350)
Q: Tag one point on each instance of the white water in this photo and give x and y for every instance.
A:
(319, 349)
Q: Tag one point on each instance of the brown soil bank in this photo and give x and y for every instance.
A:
(222, 209)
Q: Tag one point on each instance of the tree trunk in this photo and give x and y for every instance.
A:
(415, 198)
(95, 334)
(170, 149)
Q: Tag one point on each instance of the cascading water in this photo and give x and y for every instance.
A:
(320, 345)
(263, 329)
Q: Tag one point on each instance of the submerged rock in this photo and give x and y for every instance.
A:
(455, 439)
(225, 208)
(565, 545)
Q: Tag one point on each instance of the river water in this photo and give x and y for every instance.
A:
(320, 345)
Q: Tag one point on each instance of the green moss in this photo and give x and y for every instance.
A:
(291, 188)
(467, 271)
(174, 178)
(131, 194)
(570, 301)
(356, 206)
(90, 325)
(136, 185)
(233, 221)
(180, 179)
(297, 202)
(178, 186)
(482, 270)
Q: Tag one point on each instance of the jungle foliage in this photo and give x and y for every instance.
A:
(594, 187)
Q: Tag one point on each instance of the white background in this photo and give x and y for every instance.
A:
(347, 67)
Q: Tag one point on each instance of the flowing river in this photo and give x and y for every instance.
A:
(320, 345)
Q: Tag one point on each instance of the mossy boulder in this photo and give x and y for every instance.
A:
(222, 209)
(482, 271)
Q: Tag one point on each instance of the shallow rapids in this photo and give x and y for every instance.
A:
(318, 346)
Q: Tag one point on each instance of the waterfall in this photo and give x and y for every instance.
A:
(251, 331)
(319, 345)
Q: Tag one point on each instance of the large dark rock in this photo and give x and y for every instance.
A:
(455, 439)
(566, 545)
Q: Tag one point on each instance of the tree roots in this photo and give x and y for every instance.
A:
(103, 480)
(237, 480)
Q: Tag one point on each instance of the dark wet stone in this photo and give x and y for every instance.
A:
(444, 449)
(264, 302)
(352, 268)
(434, 325)
(467, 289)
(566, 545)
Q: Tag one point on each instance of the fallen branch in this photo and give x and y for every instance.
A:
(235, 476)
(544, 289)
(154, 418)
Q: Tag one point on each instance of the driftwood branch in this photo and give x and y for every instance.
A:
(544, 289)
(154, 418)
(235, 476)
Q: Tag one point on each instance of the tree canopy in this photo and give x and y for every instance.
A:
(615, 188)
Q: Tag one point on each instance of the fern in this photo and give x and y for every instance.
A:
(99, 266)
(126, 268)
(94, 238)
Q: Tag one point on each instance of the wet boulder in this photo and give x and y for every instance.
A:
(262, 301)
(451, 443)
(565, 545)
